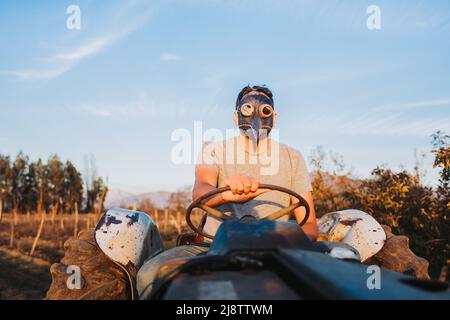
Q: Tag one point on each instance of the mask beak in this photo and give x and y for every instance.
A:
(255, 131)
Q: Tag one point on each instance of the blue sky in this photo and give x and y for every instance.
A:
(137, 70)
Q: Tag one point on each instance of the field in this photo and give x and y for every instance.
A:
(31, 242)
(26, 276)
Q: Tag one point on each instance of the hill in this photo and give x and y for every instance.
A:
(121, 198)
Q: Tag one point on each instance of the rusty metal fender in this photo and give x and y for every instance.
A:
(355, 228)
(128, 237)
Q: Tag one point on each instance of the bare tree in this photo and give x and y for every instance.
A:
(146, 205)
(180, 199)
(5, 180)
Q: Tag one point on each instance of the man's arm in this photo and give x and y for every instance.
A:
(310, 227)
(205, 181)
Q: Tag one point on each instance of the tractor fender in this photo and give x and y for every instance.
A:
(355, 228)
(128, 237)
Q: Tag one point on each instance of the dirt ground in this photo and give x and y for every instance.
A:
(25, 278)
(22, 277)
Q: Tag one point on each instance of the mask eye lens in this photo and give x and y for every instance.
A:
(265, 111)
(247, 110)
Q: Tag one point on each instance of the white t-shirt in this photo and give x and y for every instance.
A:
(278, 165)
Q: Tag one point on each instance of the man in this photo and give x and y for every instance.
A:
(242, 163)
(255, 117)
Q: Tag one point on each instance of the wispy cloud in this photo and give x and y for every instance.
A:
(97, 44)
(166, 56)
(144, 106)
(65, 60)
(375, 124)
(40, 74)
(420, 104)
(392, 119)
(98, 110)
(91, 47)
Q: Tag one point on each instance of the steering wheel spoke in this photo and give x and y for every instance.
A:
(282, 212)
(214, 212)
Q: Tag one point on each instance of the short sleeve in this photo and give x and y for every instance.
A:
(300, 180)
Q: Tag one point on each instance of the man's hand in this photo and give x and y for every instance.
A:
(240, 184)
(243, 189)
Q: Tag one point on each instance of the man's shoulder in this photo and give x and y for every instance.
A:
(293, 152)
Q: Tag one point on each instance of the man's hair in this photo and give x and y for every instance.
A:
(248, 89)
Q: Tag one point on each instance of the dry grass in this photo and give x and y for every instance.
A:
(28, 277)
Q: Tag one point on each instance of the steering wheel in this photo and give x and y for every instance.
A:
(223, 217)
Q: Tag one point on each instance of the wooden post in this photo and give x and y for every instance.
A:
(38, 235)
(11, 237)
(101, 202)
(166, 219)
(15, 215)
(53, 214)
(156, 217)
(88, 221)
(75, 220)
(177, 222)
(179, 218)
(1, 207)
(61, 219)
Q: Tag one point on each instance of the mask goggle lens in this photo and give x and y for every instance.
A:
(265, 111)
(247, 110)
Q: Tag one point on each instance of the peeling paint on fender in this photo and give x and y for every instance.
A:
(355, 228)
(127, 243)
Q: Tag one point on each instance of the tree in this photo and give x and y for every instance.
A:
(42, 185)
(92, 182)
(19, 180)
(179, 200)
(56, 186)
(5, 181)
(146, 205)
(98, 192)
(30, 191)
(441, 248)
(56, 180)
(72, 187)
(331, 182)
(441, 152)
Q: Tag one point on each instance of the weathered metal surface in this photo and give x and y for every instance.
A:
(230, 285)
(290, 274)
(355, 228)
(127, 237)
(397, 256)
(343, 253)
(252, 235)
